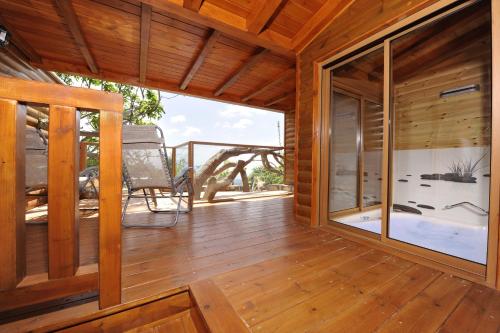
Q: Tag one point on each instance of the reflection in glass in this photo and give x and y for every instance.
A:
(356, 118)
(441, 135)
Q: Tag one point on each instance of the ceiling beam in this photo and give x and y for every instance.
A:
(209, 43)
(264, 14)
(54, 65)
(279, 99)
(67, 12)
(146, 12)
(193, 5)
(20, 43)
(241, 71)
(281, 78)
(326, 14)
(281, 46)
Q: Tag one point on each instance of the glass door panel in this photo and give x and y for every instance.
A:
(344, 182)
(356, 119)
(441, 135)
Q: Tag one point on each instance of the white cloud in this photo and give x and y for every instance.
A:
(243, 123)
(190, 130)
(236, 111)
(178, 119)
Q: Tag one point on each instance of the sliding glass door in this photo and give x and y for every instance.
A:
(441, 135)
(409, 132)
(356, 116)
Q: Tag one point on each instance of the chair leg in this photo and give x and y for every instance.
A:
(125, 208)
(147, 202)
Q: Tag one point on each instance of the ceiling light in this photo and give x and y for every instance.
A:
(4, 37)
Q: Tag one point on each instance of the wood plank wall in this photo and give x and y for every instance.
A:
(289, 146)
(361, 20)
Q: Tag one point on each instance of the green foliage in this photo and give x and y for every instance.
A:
(268, 177)
(141, 105)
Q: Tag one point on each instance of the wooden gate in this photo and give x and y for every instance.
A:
(65, 275)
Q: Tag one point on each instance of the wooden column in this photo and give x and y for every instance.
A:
(83, 156)
(12, 179)
(191, 170)
(63, 173)
(110, 203)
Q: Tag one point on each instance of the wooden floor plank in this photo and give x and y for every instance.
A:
(277, 274)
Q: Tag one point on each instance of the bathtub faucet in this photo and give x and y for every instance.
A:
(467, 203)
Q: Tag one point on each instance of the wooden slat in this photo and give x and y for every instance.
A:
(59, 95)
(47, 291)
(68, 13)
(146, 12)
(280, 98)
(212, 39)
(12, 179)
(327, 13)
(218, 313)
(63, 242)
(263, 15)
(20, 43)
(281, 78)
(110, 178)
(193, 5)
(254, 59)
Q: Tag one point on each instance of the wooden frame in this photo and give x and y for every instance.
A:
(485, 274)
(64, 270)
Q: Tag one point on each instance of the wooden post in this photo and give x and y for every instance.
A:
(83, 155)
(110, 203)
(63, 173)
(12, 198)
(174, 161)
(191, 170)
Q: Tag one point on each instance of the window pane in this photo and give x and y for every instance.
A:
(441, 135)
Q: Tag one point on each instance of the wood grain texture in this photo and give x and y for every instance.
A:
(263, 15)
(252, 61)
(63, 171)
(217, 312)
(68, 13)
(209, 44)
(110, 191)
(146, 12)
(59, 95)
(12, 179)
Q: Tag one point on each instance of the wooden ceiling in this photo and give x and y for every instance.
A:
(237, 51)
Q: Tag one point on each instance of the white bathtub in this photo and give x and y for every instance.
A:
(457, 239)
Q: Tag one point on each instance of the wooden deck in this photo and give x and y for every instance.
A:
(282, 276)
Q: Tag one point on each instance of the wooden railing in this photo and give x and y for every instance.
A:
(65, 275)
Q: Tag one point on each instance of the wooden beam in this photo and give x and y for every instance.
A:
(280, 98)
(67, 12)
(12, 198)
(63, 226)
(20, 43)
(281, 78)
(146, 12)
(110, 206)
(241, 71)
(212, 39)
(193, 5)
(326, 14)
(264, 14)
(281, 46)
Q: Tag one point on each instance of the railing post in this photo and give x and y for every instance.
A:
(63, 170)
(12, 197)
(83, 155)
(174, 161)
(191, 170)
(110, 200)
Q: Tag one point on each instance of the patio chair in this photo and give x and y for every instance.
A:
(37, 166)
(146, 168)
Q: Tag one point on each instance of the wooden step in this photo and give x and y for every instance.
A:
(218, 313)
(187, 321)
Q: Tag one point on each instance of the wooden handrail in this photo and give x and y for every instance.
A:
(224, 144)
(63, 161)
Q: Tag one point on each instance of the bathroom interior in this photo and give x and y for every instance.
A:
(439, 138)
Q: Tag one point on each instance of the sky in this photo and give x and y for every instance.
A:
(194, 119)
